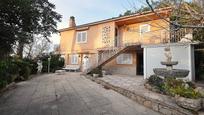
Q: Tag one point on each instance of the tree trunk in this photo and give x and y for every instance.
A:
(20, 49)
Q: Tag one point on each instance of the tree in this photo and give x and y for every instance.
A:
(20, 20)
(184, 15)
(37, 48)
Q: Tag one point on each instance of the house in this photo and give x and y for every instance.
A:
(114, 44)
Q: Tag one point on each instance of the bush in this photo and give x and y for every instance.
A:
(157, 82)
(24, 69)
(56, 62)
(8, 72)
(16, 69)
(97, 71)
(178, 87)
(171, 86)
(32, 65)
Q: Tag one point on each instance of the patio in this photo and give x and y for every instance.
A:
(133, 88)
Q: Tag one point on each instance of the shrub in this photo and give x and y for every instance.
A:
(171, 86)
(157, 82)
(24, 69)
(97, 71)
(32, 65)
(56, 62)
(8, 72)
(178, 87)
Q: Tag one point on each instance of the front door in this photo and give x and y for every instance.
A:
(85, 62)
(199, 66)
(140, 63)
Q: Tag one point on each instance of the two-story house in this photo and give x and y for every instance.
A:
(115, 43)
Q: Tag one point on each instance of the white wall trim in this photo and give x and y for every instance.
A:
(145, 63)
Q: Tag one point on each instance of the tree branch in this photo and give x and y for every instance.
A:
(172, 23)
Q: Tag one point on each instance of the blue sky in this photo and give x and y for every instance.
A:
(86, 11)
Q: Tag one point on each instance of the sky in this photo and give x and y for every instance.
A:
(86, 11)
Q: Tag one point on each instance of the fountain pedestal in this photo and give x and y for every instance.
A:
(169, 71)
(169, 65)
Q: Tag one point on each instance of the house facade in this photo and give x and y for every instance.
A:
(114, 44)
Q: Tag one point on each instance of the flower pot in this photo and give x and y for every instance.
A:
(95, 75)
(191, 104)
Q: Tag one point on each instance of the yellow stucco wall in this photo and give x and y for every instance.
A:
(127, 34)
(68, 42)
(131, 33)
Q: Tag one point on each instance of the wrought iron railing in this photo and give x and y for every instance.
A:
(177, 35)
(110, 51)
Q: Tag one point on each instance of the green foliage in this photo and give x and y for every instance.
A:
(173, 87)
(56, 62)
(15, 69)
(22, 19)
(157, 82)
(97, 71)
(32, 64)
(8, 72)
(178, 87)
(24, 69)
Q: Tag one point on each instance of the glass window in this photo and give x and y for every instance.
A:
(81, 37)
(125, 58)
(74, 59)
(144, 28)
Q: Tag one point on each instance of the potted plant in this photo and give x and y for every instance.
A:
(97, 72)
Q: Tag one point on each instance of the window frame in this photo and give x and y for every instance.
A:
(72, 60)
(143, 26)
(81, 38)
(119, 62)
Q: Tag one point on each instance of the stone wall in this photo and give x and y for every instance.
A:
(156, 105)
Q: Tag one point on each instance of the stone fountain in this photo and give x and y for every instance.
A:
(169, 71)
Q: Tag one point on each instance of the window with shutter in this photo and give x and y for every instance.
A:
(81, 37)
(125, 58)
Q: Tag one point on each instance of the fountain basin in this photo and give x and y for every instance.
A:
(169, 63)
(178, 73)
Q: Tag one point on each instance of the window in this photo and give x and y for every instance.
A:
(81, 37)
(74, 59)
(144, 28)
(125, 58)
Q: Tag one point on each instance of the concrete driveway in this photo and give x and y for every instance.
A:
(69, 94)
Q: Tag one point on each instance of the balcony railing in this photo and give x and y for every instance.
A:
(176, 36)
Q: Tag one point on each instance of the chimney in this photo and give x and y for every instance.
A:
(72, 21)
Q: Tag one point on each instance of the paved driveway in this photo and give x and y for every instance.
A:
(69, 94)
